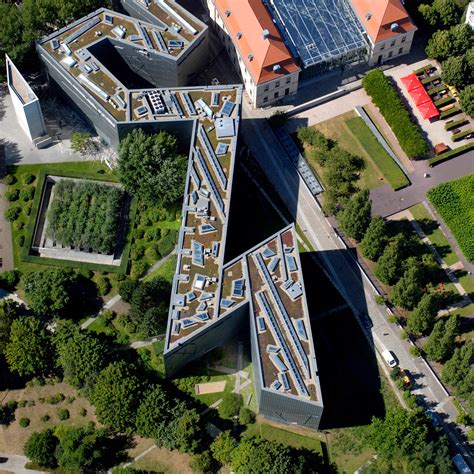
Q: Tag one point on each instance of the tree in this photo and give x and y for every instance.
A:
(388, 269)
(400, 430)
(187, 431)
(230, 405)
(81, 142)
(407, 292)
(202, 463)
(375, 239)
(148, 295)
(81, 355)
(127, 289)
(246, 416)
(81, 448)
(441, 341)
(456, 71)
(150, 166)
(466, 99)
(41, 448)
(116, 396)
(259, 455)
(422, 318)
(440, 46)
(9, 311)
(154, 320)
(154, 413)
(29, 351)
(458, 372)
(223, 447)
(355, 218)
(48, 291)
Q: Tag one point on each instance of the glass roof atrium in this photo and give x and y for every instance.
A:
(318, 30)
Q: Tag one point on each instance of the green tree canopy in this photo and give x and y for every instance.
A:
(408, 290)
(81, 448)
(9, 311)
(458, 371)
(456, 71)
(230, 405)
(151, 167)
(422, 318)
(375, 239)
(116, 396)
(466, 99)
(355, 218)
(388, 267)
(48, 292)
(29, 351)
(441, 12)
(202, 463)
(259, 455)
(41, 448)
(223, 447)
(441, 341)
(400, 430)
(81, 355)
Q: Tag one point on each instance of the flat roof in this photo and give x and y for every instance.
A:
(318, 30)
(18, 83)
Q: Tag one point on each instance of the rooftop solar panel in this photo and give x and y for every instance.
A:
(272, 349)
(161, 42)
(198, 253)
(273, 264)
(146, 37)
(280, 365)
(176, 105)
(268, 252)
(174, 44)
(202, 316)
(284, 380)
(90, 24)
(291, 262)
(134, 38)
(226, 303)
(205, 228)
(221, 149)
(188, 103)
(191, 296)
(300, 327)
(227, 108)
(54, 44)
(275, 385)
(212, 156)
(215, 99)
(109, 19)
(261, 324)
(187, 323)
(215, 249)
(318, 30)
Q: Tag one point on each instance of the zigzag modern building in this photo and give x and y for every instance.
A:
(211, 300)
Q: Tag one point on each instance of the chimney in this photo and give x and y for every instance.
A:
(276, 68)
(394, 26)
(227, 12)
(368, 16)
(265, 34)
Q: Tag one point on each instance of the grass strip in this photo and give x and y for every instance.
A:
(390, 169)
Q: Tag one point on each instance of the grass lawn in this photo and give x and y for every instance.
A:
(454, 201)
(165, 271)
(114, 329)
(337, 129)
(164, 461)
(390, 169)
(311, 440)
(152, 356)
(14, 436)
(434, 233)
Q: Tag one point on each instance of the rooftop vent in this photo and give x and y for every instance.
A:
(227, 12)
(250, 56)
(368, 16)
(276, 68)
(394, 26)
(239, 35)
(265, 34)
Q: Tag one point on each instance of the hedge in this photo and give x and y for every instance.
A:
(459, 136)
(449, 113)
(422, 70)
(385, 97)
(436, 89)
(451, 154)
(444, 101)
(454, 201)
(30, 228)
(455, 124)
(429, 79)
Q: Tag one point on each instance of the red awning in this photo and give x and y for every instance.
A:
(420, 96)
(411, 82)
(428, 110)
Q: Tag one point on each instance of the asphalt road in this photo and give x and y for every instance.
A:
(355, 288)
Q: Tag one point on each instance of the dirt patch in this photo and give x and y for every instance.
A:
(210, 387)
(165, 461)
(13, 437)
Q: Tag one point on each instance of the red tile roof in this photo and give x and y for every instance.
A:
(377, 16)
(250, 18)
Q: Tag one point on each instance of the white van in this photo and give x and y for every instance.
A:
(389, 358)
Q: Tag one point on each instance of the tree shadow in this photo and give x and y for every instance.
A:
(13, 154)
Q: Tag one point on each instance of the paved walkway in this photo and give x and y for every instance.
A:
(16, 463)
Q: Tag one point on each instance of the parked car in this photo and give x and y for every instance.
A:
(389, 358)
(366, 320)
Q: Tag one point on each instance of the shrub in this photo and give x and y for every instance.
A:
(166, 244)
(45, 418)
(63, 414)
(82, 412)
(24, 422)
(415, 351)
(230, 405)
(455, 124)
(378, 86)
(22, 403)
(451, 154)
(202, 463)
(19, 225)
(379, 299)
(28, 178)
(55, 399)
(246, 416)
(449, 113)
(9, 279)
(20, 240)
(12, 195)
(461, 135)
(12, 213)
(138, 233)
(70, 399)
(103, 286)
(27, 193)
(9, 179)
